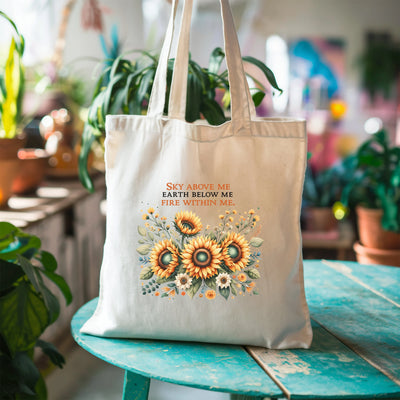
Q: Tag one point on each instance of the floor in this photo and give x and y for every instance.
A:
(85, 377)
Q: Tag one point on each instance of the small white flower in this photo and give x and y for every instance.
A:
(183, 281)
(223, 280)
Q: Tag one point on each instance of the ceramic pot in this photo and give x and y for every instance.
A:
(320, 219)
(369, 255)
(9, 166)
(371, 232)
(33, 167)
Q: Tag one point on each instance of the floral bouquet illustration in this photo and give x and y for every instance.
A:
(179, 257)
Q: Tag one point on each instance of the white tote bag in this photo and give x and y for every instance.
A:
(203, 239)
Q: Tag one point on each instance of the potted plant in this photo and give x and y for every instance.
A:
(375, 194)
(321, 194)
(27, 308)
(29, 164)
(128, 87)
(12, 83)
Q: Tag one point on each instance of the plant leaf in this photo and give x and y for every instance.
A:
(258, 97)
(51, 351)
(146, 273)
(9, 273)
(210, 282)
(23, 317)
(216, 59)
(256, 241)
(88, 138)
(196, 284)
(144, 249)
(224, 292)
(253, 273)
(267, 72)
(233, 288)
(212, 112)
(193, 98)
(61, 284)
(142, 231)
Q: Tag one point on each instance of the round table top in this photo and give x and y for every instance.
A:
(222, 368)
(355, 353)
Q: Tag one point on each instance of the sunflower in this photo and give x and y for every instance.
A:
(235, 251)
(201, 257)
(164, 258)
(188, 223)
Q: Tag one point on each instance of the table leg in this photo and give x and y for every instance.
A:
(136, 387)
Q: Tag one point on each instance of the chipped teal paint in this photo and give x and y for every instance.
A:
(136, 387)
(364, 320)
(383, 279)
(329, 369)
(356, 304)
(214, 367)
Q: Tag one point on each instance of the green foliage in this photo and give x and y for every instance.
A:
(129, 86)
(12, 85)
(380, 66)
(324, 188)
(27, 308)
(376, 181)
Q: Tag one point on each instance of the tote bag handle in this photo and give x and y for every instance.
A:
(242, 107)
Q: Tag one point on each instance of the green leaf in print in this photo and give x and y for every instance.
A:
(142, 231)
(211, 283)
(150, 235)
(224, 292)
(233, 289)
(196, 284)
(144, 249)
(253, 273)
(256, 241)
(146, 273)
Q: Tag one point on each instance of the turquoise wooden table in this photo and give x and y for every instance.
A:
(355, 354)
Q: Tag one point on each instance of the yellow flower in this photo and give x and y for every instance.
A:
(156, 215)
(145, 216)
(201, 257)
(242, 277)
(251, 212)
(163, 218)
(227, 212)
(234, 212)
(256, 218)
(164, 258)
(230, 219)
(188, 223)
(210, 294)
(235, 251)
(221, 216)
(150, 210)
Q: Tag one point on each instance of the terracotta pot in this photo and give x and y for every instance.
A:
(320, 219)
(34, 164)
(9, 165)
(371, 232)
(369, 255)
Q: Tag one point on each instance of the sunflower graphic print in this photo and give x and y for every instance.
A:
(180, 257)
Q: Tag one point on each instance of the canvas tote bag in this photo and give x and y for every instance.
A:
(203, 240)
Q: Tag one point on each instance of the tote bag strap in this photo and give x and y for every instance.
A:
(242, 107)
(157, 96)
